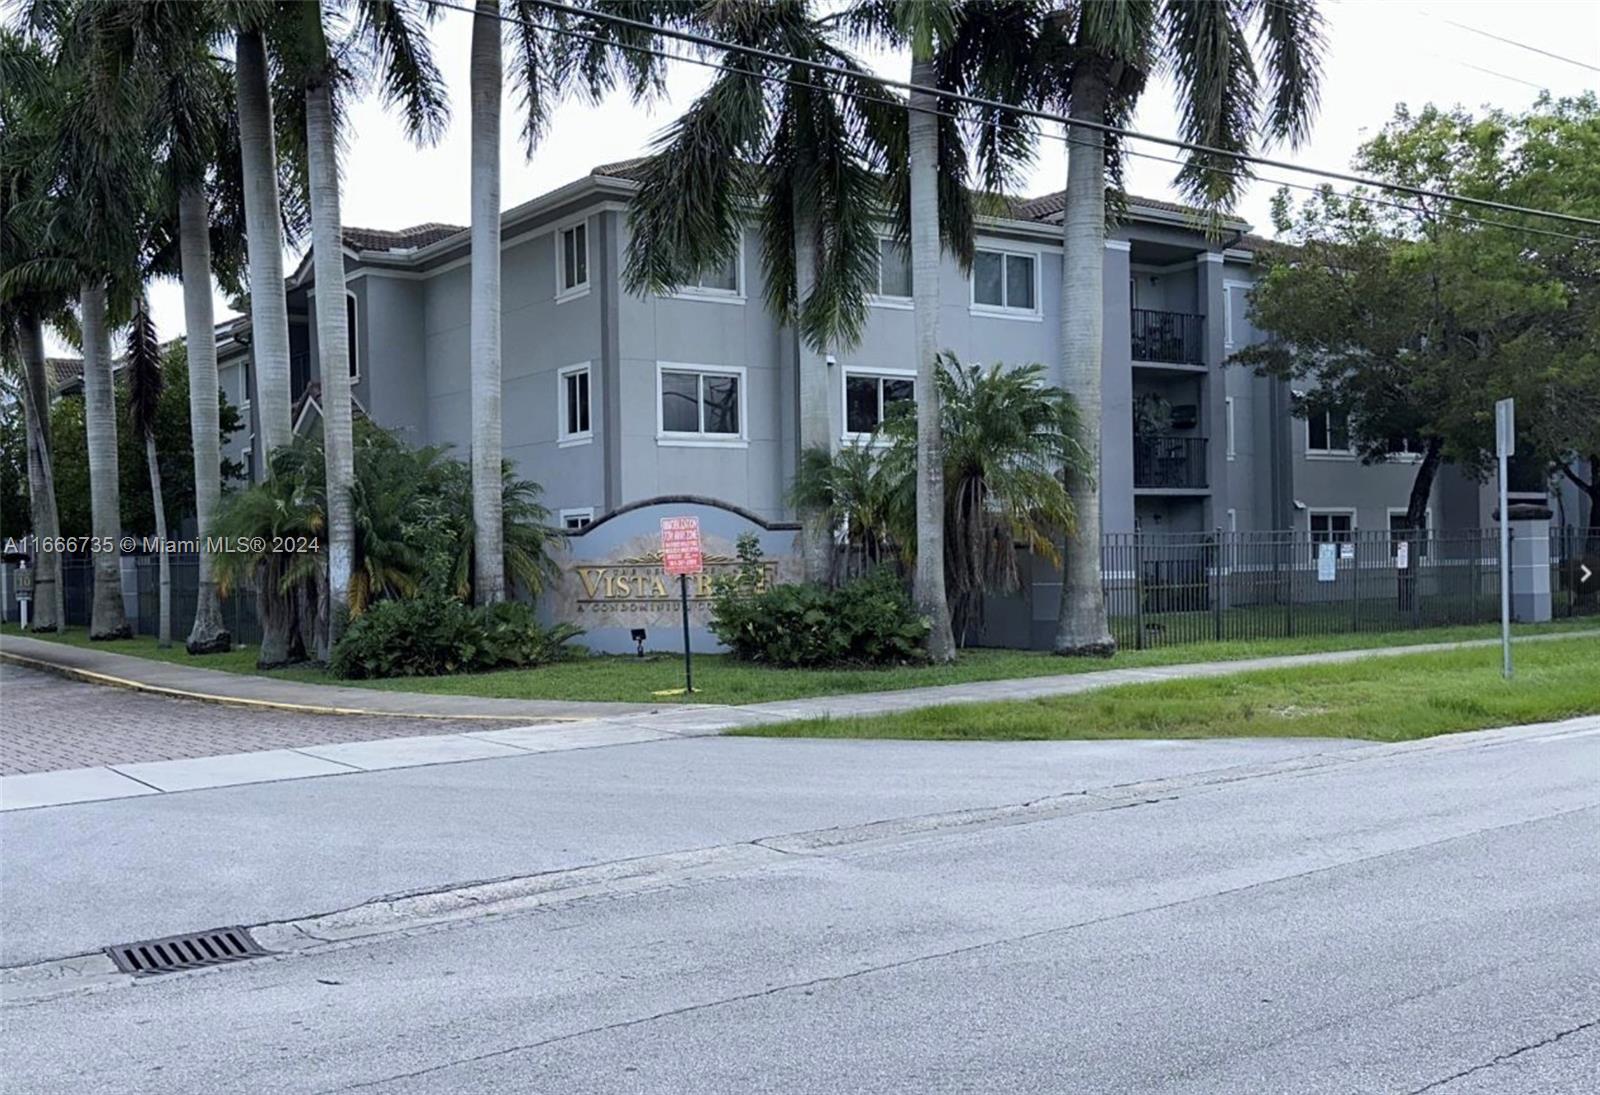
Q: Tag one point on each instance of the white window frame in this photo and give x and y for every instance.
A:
(1332, 511)
(1233, 519)
(1328, 454)
(700, 439)
(581, 437)
(584, 436)
(1229, 284)
(1403, 457)
(563, 292)
(1228, 425)
(879, 299)
(712, 293)
(354, 337)
(1001, 311)
(873, 374)
(584, 513)
(1391, 512)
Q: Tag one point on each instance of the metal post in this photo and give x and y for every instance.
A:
(1216, 585)
(1355, 581)
(688, 660)
(1290, 610)
(1507, 539)
(1472, 573)
(1138, 590)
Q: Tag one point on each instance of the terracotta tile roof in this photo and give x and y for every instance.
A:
(399, 239)
(1043, 208)
(63, 371)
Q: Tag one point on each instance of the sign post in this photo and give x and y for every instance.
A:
(1505, 445)
(681, 556)
(24, 591)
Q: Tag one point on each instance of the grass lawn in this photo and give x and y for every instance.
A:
(723, 680)
(1387, 699)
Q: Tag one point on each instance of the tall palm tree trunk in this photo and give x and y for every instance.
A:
(48, 610)
(928, 589)
(107, 619)
(208, 635)
(164, 625)
(488, 545)
(333, 344)
(1081, 627)
(811, 379)
(269, 310)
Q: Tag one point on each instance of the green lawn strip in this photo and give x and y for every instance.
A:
(720, 679)
(1381, 699)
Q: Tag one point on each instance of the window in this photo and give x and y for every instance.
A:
(350, 335)
(868, 398)
(1401, 448)
(1332, 527)
(1227, 409)
(724, 280)
(894, 270)
(1328, 431)
(701, 405)
(572, 261)
(1004, 281)
(574, 399)
(1397, 530)
(574, 519)
(244, 384)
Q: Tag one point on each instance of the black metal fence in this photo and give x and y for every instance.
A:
(1176, 338)
(1163, 589)
(1574, 552)
(238, 607)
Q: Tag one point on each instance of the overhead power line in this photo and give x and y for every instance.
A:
(708, 42)
(1027, 112)
(1520, 45)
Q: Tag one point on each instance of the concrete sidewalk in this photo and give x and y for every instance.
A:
(607, 724)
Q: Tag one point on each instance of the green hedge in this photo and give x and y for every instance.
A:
(869, 621)
(432, 635)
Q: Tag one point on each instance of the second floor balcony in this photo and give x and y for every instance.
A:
(1169, 462)
(1168, 338)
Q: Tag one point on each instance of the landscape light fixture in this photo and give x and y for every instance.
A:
(639, 637)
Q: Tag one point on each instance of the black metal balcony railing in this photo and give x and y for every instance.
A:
(1164, 462)
(1175, 338)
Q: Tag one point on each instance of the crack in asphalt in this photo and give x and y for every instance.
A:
(1502, 1058)
(956, 952)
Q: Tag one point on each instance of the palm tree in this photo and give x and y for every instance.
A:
(25, 75)
(107, 617)
(810, 151)
(489, 582)
(1007, 436)
(860, 502)
(269, 309)
(1096, 59)
(387, 33)
(144, 398)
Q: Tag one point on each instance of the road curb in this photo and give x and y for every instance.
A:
(90, 676)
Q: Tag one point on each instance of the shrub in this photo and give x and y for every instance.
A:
(431, 635)
(869, 621)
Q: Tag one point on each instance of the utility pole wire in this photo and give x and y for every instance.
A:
(707, 42)
(1062, 137)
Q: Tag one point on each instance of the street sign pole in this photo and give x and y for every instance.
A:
(688, 658)
(1505, 445)
(680, 557)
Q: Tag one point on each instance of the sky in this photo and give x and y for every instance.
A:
(1378, 53)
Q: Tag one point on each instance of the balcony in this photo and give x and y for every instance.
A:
(1166, 462)
(1168, 338)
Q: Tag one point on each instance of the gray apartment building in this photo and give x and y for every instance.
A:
(613, 401)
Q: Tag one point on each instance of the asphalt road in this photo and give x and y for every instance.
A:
(1409, 919)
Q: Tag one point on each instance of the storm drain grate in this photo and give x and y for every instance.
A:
(185, 952)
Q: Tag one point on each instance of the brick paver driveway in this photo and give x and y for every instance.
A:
(49, 723)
